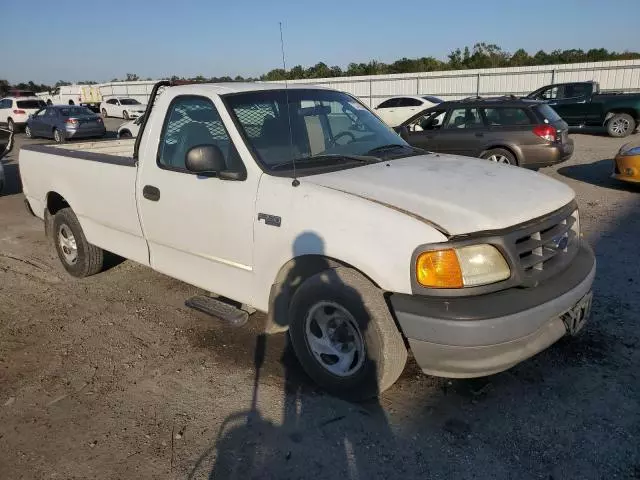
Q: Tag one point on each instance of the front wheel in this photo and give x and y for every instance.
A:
(27, 131)
(125, 115)
(344, 335)
(104, 112)
(500, 155)
(621, 125)
(125, 134)
(77, 255)
(10, 125)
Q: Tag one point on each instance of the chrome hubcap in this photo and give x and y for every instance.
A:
(27, 132)
(68, 244)
(334, 338)
(499, 159)
(56, 136)
(620, 126)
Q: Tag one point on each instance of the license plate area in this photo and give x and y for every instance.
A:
(575, 318)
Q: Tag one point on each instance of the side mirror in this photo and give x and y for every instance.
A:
(205, 159)
(403, 131)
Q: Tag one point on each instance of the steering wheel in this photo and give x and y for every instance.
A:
(334, 141)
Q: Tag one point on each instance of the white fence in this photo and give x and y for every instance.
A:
(450, 85)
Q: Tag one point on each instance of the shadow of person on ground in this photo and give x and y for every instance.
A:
(310, 440)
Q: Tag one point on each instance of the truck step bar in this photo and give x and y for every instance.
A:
(216, 307)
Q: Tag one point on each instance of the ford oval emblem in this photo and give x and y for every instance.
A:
(560, 242)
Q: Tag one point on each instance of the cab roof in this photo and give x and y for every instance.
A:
(239, 87)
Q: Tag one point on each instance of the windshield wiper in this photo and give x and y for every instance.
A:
(392, 146)
(325, 157)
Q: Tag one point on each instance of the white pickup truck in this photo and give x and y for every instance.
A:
(301, 203)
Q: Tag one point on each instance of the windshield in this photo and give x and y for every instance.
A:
(549, 113)
(315, 124)
(73, 111)
(31, 104)
(129, 101)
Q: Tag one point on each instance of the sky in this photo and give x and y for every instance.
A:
(101, 40)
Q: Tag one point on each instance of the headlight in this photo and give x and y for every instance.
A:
(469, 266)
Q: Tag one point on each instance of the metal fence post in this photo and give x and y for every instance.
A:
(370, 93)
(553, 76)
(478, 85)
(417, 85)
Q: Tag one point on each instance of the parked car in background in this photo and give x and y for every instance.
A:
(122, 107)
(15, 111)
(527, 133)
(626, 164)
(64, 122)
(131, 128)
(6, 144)
(581, 104)
(85, 95)
(396, 110)
(357, 243)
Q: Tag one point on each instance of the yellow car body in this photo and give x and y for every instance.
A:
(627, 163)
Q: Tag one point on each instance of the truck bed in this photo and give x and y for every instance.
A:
(119, 148)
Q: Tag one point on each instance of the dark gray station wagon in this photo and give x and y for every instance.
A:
(505, 130)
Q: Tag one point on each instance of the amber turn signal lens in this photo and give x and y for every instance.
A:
(439, 269)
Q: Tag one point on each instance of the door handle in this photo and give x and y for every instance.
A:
(151, 193)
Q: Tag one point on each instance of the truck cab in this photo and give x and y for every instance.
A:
(581, 104)
(299, 202)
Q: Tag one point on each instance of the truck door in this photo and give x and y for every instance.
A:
(198, 229)
(574, 104)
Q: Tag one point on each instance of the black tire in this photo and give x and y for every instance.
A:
(58, 136)
(27, 132)
(71, 102)
(11, 125)
(49, 103)
(501, 155)
(385, 352)
(104, 113)
(125, 115)
(125, 134)
(621, 125)
(90, 259)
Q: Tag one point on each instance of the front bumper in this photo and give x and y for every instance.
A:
(627, 168)
(485, 334)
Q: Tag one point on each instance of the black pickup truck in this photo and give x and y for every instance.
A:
(581, 104)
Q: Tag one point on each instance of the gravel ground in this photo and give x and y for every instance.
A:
(113, 377)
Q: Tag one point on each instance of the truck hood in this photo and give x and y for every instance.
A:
(456, 194)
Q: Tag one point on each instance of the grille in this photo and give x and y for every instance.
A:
(548, 249)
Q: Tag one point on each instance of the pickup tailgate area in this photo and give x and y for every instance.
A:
(98, 181)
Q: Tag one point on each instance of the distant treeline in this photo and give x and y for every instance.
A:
(482, 55)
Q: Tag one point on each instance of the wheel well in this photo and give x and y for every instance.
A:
(503, 147)
(629, 111)
(291, 275)
(71, 102)
(125, 131)
(55, 202)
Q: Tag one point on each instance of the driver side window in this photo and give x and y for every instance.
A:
(431, 121)
(552, 93)
(193, 121)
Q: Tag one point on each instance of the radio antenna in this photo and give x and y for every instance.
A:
(295, 182)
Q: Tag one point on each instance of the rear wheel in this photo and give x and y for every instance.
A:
(71, 102)
(621, 125)
(58, 136)
(27, 131)
(500, 155)
(344, 336)
(104, 113)
(10, 125)
(125, 115)
(125, 134)
(77, 255)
